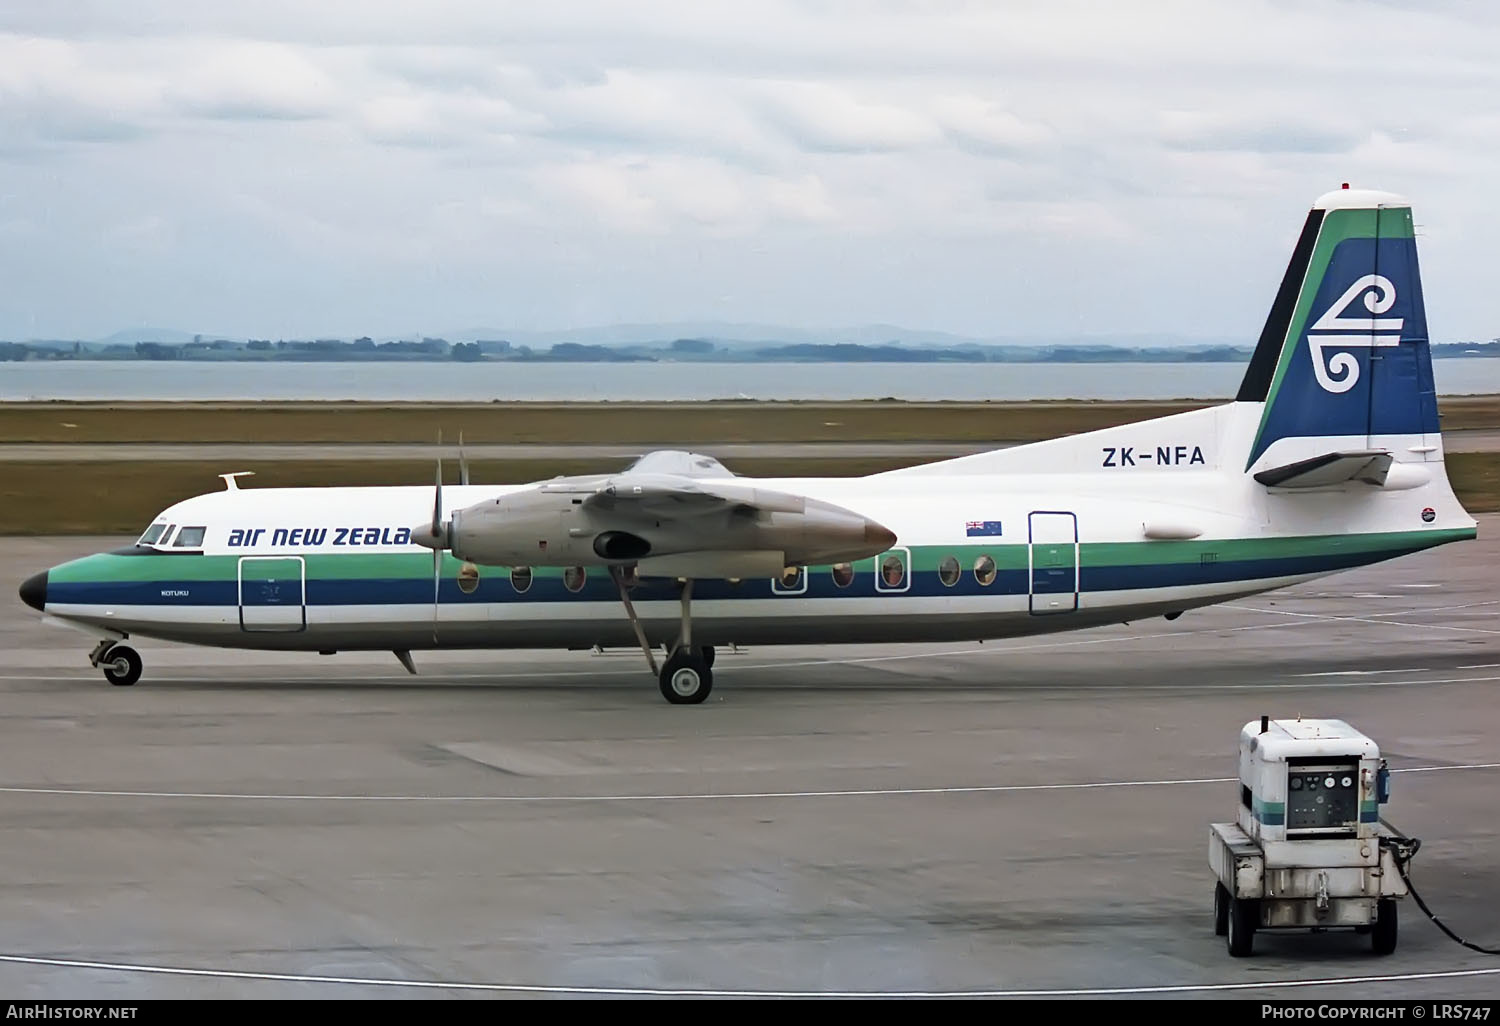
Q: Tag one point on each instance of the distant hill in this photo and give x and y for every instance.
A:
(681, 342)
(734, 335)
(130, 336)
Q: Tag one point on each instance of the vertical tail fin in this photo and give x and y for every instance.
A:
(1343, 360)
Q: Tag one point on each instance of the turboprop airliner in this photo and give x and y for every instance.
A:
(1329, 458)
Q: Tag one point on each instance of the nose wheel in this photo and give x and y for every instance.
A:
(121, 665)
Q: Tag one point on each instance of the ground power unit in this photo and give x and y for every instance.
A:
(1306, 850)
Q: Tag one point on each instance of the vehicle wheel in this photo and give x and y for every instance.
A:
(1383, 936)
(122, 666)
(1221, 910)
(685, 678)
(708, 655)
(1241, 927)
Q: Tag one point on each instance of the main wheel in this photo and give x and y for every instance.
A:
(1383, 936)
(685, 678)
(708, 655)
(1221, 910)
(1243, 913)
(121, 665)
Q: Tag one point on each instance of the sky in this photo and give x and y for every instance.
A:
(995, 169)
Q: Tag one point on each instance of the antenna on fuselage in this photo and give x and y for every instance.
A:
(230, 485)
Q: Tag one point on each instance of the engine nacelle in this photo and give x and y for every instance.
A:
(537, 527)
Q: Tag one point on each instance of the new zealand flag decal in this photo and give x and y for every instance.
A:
(982, 528)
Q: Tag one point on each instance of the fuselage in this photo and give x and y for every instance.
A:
(976, 557)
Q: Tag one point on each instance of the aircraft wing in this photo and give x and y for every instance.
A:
(1368, 465)
(667, 504)
(667, 496)
(670, 484)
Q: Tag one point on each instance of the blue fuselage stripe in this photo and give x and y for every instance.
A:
(495, 586)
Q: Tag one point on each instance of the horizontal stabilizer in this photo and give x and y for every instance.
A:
(1368, 465)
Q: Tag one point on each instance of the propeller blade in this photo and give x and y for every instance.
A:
(463, 464)
(437, 495)
(437, 536)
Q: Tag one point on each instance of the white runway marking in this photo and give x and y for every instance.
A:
(1306, 686)
(540, 988)
(1439, 769)
(1441, 609)
(1071, 688)
(1359, 673)
(1378, 623)
(997, 648)
(881, 792)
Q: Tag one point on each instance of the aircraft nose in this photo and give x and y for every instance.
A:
(34, 590)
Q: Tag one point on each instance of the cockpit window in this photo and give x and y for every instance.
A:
(190, 537)
(152, 534)
(166, 536)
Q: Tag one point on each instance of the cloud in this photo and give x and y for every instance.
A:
(832, 161)
(1254, 132)
(821, 117)
(670, 195)
(252, 81)
(987, 127)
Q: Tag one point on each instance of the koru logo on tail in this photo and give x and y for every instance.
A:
(1337, 330)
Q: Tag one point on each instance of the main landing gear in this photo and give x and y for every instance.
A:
(121, 663)
(686, 678)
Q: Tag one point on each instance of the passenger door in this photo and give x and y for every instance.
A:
(273, 593)
(1053, 562)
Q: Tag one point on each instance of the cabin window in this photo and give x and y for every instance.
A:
(843, 574)
(949, 571)
(573, 578)
(793, 581)
(984, 570)
(892, 572)
(468, 578)
(153, 533)
(520, 578)
(191, 537)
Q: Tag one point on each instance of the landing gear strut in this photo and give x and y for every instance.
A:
(121, 663)
(685, 678)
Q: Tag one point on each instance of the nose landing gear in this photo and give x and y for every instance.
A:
(121, 664)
